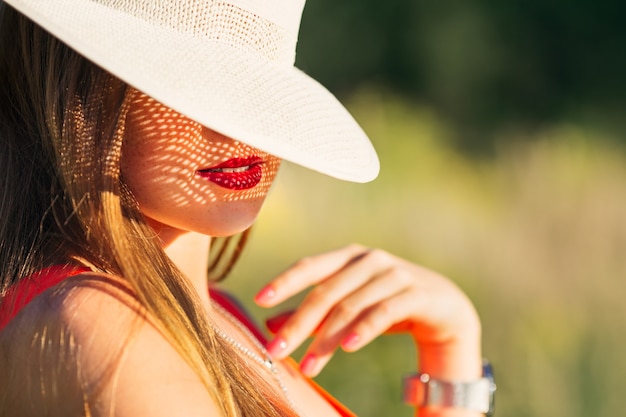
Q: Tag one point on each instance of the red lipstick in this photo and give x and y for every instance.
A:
(236, 173)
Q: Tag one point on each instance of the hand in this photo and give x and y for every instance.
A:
(359, 294)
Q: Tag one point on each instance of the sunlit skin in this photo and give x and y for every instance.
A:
(358, 293)
(163, 153)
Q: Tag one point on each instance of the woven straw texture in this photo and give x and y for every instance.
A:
(226, 64)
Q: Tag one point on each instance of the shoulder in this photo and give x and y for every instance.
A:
(89, 338)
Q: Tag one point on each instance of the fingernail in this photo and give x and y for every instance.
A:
(265, 295)
(276, 347)
(351, 342)
(308, 364)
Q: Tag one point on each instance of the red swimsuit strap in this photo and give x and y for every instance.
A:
(22, 293)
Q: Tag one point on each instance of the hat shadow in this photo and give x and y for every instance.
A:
(165, 150)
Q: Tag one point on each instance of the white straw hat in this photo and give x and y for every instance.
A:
(227, 64)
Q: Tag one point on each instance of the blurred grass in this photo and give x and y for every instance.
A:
(536, 235)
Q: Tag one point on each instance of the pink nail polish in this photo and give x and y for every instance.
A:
(276, 347)
(265, 295)
(351, 342)
(308, 364)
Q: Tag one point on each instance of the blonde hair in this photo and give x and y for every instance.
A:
(63, 197)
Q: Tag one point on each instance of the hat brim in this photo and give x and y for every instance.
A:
(279, 110)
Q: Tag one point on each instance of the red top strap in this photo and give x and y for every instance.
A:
(18, 296)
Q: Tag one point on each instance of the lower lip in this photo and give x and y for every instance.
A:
(244, 180)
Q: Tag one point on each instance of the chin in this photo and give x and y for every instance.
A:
(228, 226)
(226, 232)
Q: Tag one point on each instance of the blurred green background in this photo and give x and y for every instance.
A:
(500, 128)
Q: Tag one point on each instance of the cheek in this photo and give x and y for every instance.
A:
(160, 153)
(157, 170)
(162, 177)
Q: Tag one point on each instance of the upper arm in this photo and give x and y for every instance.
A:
(91, 341)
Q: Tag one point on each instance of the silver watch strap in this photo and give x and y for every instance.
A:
(423, 391)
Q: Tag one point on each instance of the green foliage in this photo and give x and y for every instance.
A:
(484, 65)
(536, 235)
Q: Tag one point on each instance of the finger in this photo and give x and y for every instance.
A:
(412, 311)
(390, 313)
(306, 272)
(275, 323)
(312, 364)
(319, 302)
(336, 329)
(349, 310)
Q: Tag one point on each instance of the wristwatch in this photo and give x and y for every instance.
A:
(422, 390)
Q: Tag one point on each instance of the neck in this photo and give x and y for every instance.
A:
(190, 252)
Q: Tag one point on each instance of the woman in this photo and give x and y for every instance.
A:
(113, 194)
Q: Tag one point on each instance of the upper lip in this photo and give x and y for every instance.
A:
(235, 164)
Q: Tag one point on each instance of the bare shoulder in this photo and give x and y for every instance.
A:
(88, 338)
